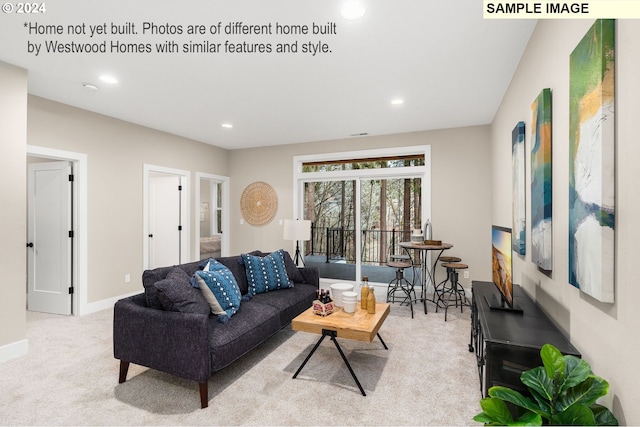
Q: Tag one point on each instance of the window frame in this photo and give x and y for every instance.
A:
(357, 175)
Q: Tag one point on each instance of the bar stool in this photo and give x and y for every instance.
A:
(454, 289)
(400, 283)
(440, 287)
(415, 269)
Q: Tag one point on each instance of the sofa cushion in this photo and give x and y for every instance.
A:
(175, 293)
(223, 286)
(266, 273)
(289, 302)
(250, 326)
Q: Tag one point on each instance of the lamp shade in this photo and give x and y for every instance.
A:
(297, 229)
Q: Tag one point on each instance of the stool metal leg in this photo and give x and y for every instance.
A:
(400, 283)
(455, 291)
(450, 291)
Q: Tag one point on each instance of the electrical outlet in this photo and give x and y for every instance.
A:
(127, 278)
(466, 274)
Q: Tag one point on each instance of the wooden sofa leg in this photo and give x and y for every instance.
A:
(124, 368)
(204, 395)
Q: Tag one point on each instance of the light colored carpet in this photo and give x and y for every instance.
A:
(427, 377)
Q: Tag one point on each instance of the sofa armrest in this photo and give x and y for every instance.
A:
(172, 342)
(311, 275)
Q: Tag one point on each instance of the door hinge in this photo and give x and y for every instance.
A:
(71, 234)
(179, 187)
(71, 178)
(179, 228)
(71, 289)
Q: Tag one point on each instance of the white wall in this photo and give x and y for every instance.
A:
(605, 334)
(13, 213)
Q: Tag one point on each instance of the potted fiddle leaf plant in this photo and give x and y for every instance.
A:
(563, 390)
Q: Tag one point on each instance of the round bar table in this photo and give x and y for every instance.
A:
(428, 271)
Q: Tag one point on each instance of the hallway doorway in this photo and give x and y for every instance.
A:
(56, 240)
(166, 217)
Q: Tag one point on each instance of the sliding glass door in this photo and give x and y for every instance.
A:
(360, 210)
(331, 207)
(389, 210)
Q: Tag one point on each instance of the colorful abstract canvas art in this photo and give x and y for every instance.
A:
(519, 241)
(592, 162)
(541, 200)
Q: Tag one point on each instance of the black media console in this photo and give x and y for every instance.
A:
(506, 344)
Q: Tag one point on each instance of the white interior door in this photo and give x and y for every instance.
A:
(49, 243)
(164, 220)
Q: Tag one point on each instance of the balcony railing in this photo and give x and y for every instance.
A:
(339, 244)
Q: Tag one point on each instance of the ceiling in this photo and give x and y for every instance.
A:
(449, 65)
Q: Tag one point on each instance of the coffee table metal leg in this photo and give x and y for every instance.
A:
(332, 334)
(383, 344)
(310, 354)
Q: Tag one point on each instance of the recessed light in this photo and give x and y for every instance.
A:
(397, 101)
(352, 10)
(90, 87)
(108, 79)
(227, 125)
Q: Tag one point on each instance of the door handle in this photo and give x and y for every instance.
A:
(30, 245)
(150, 235)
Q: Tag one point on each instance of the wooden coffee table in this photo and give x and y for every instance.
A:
(359, 326)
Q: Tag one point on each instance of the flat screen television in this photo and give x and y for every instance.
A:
(501, 269)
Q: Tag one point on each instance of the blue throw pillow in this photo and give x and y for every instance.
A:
(223, 286)
(267, 273)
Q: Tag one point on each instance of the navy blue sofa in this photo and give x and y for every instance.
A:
(195, 345)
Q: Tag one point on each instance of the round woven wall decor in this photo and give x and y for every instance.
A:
(258, 203)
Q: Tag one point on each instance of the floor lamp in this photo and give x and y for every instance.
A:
(297, 230)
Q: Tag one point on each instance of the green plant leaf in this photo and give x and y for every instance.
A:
(576, 371)
(528, 419)
(512, 396)
(577, 415)
(537, 380)
(585, 393)
(552, 360)
(543, 403)
(495, 412)
(603, 416)
(483, 418)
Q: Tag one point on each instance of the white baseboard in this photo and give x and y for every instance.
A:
(94, 307)
(13, 350)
